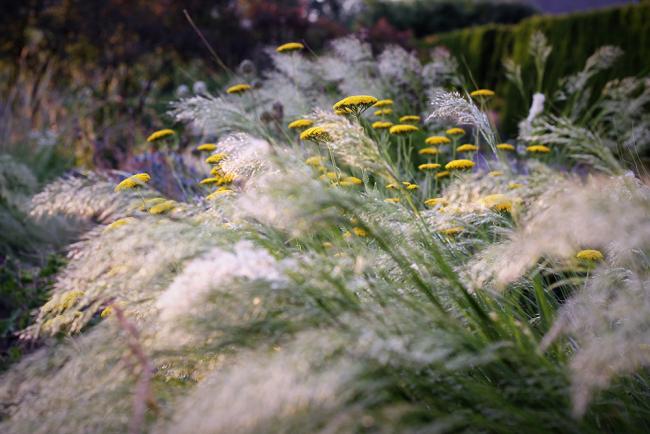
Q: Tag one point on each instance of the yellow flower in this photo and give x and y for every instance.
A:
(506, 147)
(216, 171)
(215, 158)
(352, 180)
(289, 47)
(459, 165)
(163, 207)
(239, 88)
(437, 140)
(314, 161)
(486, 93)
(391, 186)
(434, 201)
(515, 185)
(107, 311)
(160, 134)
(497, 202)
(383, 103)
(495, 173)
(206, 147)
(227, 178)
(300, 123)
(452, 231)
(384, 112)
(316, 134)
(148, 203)
(119, 222)
(590, 255)
(429, 166)
(355, 103)
(455, 131)
(208, 181)
(412, 187)
(69, 298)
(342, 112)
(538, 149)
(137, 180)
(221, 191)
(359, 232)
(332, 176)
(467, 147)
(410, 118)
(402, 129)
(392, 200)
(428, 151)
(443, 174)
(382, 125)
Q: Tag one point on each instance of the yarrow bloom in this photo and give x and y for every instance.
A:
(206, 147)
(428, 151)
(485, 93)
(157, 135)
(359, 232)
(163, 207)
(300, 123)
(137, 180)
(410, 118)
(452, 231)
(459, 165)
(215, 158)
(350, 180)
(412, 187)
(443, 174)
(402, 129)
(383, 103)
(355, 103)
(314, 161)
(455, 131)
(315, 134)
(119, 222)
(515, 185)
(495, 173)
(590, 255)
(382, 125)
(435, 201)
(221, 191)
(392, 200)
(538, 149)
(437, 140)
(497, 202)
(238, 88)
(384, 112)
(505, 147)
(468, 147)
(429, 166)
(289, 47)
(208, 181)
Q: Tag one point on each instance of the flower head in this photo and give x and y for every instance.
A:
(289, 47)
(215, 158)
(515, 185)
(452, 231)
(162, 207)
(157, 135)
(437, 140)
(300, 123)
(384, 112)
(495, 173)
(137, 180)
(505, 147)
(383, 103)
(429, 166)
(410, 118)
(392, 200)
(485, 93)
(119, 222)
(455, 131)
(221, 191)
(443, 174)
(314, 161)
(412, 186)
(497, 202)
(206, 147)
(538, 149)
(359, 232)
(590, 255)
(382, 125)
(208, 181)
(315, 134)
(428, 151)
(468, 147)
(459, 165)
(402, 129)
(239, 88)
(351, 180)
(435, 201)
(356, 103)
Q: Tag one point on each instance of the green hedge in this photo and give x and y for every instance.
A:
(574, 38)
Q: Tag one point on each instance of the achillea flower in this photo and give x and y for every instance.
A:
(163, 207)
(485, 93)
(216, 171)
(157, 135)
(538, 149)
(495, 173)
(403, 129)
(216, 158)
(119, 222)
(384, 112)
(359, 232)
(382, 125)
(107, 311)
(467, 147)
(300, 123)
(392, 200)
(590, 255)
(437, 140)
(353, 180)
(497, 202)
(289, 47)
(506, 147)
(515, 185)
(428, 151)
(410, 118)
(221, 191)
(206, 147)
(238, 88)
(314, 161)
(227, 178)
(383, 103)
(459, 165)
(455, 131)
(208, 181)
(429, 166)
(315, 134)
(69, 298)
(148, 203)
(412, 187)
(452, 231)
(342, 112)
(137, 180)
(356, 103)
(391, 186)
(331, 176)
(435, 201)
(443, 174)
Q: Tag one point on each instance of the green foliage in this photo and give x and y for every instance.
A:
(573, 37)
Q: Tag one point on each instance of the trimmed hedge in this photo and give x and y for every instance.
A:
(574, 38)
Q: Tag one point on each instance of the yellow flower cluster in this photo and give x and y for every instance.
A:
(455, 131)
(392, 200)
(538, 149)
(459, 165)
(162, 207)
(428, 151)
(355, 103)
(382, 125)
(437, 140)
(238, 88)
(590, 255)
(315, 134)
(467, 147)
(383, 103)
(384, 112)
(300, 123)
(452, 231)
(497, 202)
(429, 166)
(505, 147)
(206, 147)
(215, 158)
(402, 129)
(289, 47)
(137, 180)
(119, 223)
(160, 134)
(485, 93)
(410, 119)
(221, 191)
(435, 201)
(442, 174)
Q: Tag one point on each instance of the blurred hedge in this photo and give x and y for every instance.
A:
(574, 38)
